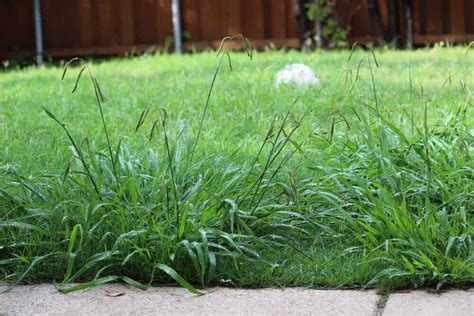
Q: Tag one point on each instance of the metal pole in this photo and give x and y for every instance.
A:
(178, 44)
(38, 33)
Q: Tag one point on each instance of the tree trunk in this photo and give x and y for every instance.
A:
(408, 15)
(374, 11)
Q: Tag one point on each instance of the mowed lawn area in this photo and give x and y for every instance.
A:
(365, 181)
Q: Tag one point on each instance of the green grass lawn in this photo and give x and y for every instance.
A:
(367, 181)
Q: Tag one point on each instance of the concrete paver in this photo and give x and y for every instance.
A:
(421, 303)
(45, 300)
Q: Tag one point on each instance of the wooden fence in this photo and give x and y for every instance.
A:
(103, 27)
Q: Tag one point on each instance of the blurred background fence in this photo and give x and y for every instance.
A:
(109, 27)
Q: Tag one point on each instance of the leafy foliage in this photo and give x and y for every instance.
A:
(331, 31)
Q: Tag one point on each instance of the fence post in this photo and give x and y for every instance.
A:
(178, 45)
(38, 33)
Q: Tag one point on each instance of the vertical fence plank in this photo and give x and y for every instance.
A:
(103, 22)
(277, 19)
(17, 16)
(49, 15)
(403, 24)
(84, 11)
(446, 7)
(206, 19)
(361, 22)
(434, 19)
(213, 26)
(71, 24)
(417, 17)
(252, 17)
(266, 10)
(290, 19)
(163, 24)
(344, 11)
(145, 16)
(60, 24)
(61, 19)
(191, 19)
(384, 12)
(456, 17)
(469, 20)
(233, 18)
(125, 22)
(23, 19)
(8, 42)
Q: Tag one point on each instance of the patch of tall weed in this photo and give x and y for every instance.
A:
(166, 212)
(402, 190)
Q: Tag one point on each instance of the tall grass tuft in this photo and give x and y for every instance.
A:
(166, 212)
(402, 190)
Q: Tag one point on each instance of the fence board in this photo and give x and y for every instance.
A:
(213, 24)
(84, 12)
(277, 19)
(16, 23)
(163, 24)
(104, 33)
(290, 18)
(384, 12)
(60, 23)
(232, 16)
(266, 8)
(145, 13)
(445, 16)
(469, 17)
(361, 23)
(456, 17)
(252, 11)
(418, 9)
(190, 11)
(51, 19)
(124, 22)
(434, 20)
(63, 22)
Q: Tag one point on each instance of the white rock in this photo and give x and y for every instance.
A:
(297, 74)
